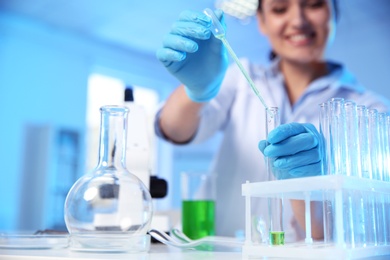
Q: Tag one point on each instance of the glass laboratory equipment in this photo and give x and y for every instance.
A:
(337, 136)
(383, 142)
(354, 188)
(198, 204)
(353, 211)
(326, 170)
(109, 209)
(352, 140)
(275, 205)
(374, 143)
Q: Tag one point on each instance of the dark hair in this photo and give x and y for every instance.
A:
(272, 54)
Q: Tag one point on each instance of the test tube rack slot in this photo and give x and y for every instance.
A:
(338, 186)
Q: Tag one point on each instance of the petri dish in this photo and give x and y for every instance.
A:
(110, 242)
(24, 241)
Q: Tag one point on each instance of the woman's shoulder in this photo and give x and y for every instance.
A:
(374, 100)
(340, 77)
(345, 80)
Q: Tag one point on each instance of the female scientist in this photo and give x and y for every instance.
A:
(214, 98)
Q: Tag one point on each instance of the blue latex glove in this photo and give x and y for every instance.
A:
(297, 150)
(194, 56)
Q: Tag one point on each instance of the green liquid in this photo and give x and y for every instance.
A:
(276, 238)
(198, 218)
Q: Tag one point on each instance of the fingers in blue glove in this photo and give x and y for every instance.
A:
(190, 27)
(285, 131)
(296, 150)
(290, 139)
(292, 145)
(175, 48)
(191, 30)
(197, 59)
(262, 145)
(306, 170)
(299, 159)
(196, 17)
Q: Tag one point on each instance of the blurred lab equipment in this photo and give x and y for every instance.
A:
(51, 163)
(140, 156)
(138, 144)
(198, 204)
(109, 209)
(139, 147)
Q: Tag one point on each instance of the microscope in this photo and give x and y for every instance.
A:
(139, 155)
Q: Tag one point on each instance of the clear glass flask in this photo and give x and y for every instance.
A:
(275, 205)
(109, 209)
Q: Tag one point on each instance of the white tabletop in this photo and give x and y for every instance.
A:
(156, 252)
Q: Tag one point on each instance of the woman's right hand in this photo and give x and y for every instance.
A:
(298, 150)
(194, 56)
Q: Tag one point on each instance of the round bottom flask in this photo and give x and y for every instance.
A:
(109, 209)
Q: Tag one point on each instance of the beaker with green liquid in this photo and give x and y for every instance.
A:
(198, 204)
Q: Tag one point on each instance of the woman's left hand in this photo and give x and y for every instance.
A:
(297, 150)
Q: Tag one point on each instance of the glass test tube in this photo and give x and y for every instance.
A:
(373, 131)
(383, 138)
(365, 202)
(352, 223)
(326, 169)
(337, 136)
(338, 144)
(386, 177)
(352, 156)
(275, 205)
(364, 149)
(375, 174)
(383, 134)
(325, 133)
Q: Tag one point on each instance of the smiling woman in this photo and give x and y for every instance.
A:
(298, 32)
(315, 11)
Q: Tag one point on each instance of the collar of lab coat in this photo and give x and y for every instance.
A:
(338, 77)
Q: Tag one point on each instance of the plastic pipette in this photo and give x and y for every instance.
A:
(219, 33)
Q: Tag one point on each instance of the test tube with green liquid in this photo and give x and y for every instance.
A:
(275, 204)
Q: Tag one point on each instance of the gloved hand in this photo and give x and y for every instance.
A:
(194, 56)
(297, 150)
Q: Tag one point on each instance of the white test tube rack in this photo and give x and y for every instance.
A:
(314, 188)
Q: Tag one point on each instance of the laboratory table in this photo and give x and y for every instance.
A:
(156, 252)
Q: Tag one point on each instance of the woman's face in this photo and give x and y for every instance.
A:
(298, 30)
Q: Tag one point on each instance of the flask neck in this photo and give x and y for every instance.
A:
(113, 129)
